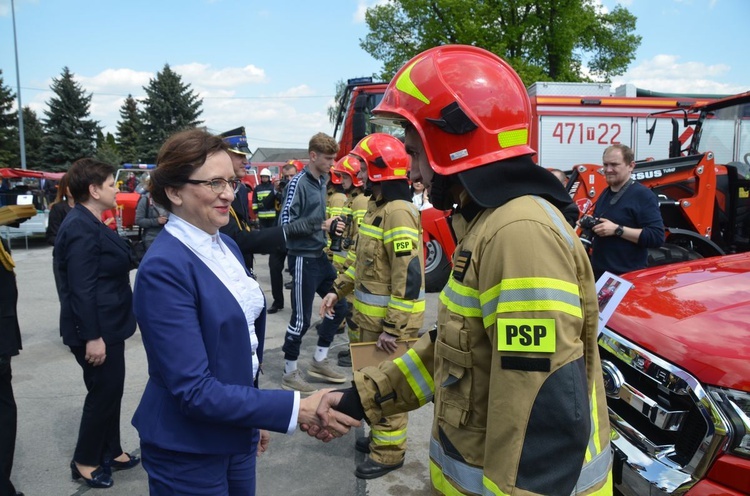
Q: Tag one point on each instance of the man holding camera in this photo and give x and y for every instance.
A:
(627, 218)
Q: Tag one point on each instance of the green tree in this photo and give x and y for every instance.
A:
(33, 134)
(170, 106)
(9, 150)
(107, 149)
(130, 138)
(333, 110)
(544, 40)
(70, 134)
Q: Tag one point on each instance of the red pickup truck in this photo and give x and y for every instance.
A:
(676, 363)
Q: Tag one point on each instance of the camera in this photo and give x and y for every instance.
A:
(336, 239)
(587, 223)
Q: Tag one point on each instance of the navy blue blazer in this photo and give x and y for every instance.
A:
(201, 396)
(94, 265)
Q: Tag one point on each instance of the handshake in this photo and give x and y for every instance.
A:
(319, 417)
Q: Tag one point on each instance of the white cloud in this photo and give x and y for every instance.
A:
(362, 6)
(666, 73)
(205, 75)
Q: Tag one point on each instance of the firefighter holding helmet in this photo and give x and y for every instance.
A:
(513, 366)
(387, 280)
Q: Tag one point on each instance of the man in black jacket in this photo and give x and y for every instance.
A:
(10, 344)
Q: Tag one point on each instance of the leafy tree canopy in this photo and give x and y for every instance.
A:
(544, 40)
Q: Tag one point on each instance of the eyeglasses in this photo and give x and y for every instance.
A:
(217, 185)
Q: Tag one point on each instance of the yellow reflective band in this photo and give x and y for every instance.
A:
(402, 246)
(415, 307)
(370, 310)
(513, 138)
(526, 335)
(401, 232)
(371, 231)
(416, 374)
(351, 255)
(406, 85)
(461, 299)
(338, 258)
(530, 294)
(351, 272)
(491, 488)
(385, 438)
(364, 144)
(595, 421)
(440, 483)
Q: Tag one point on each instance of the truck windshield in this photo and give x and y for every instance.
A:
(378, 126)
(726, 132)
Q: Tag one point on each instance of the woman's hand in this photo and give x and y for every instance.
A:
(265, 439)
(96, 352)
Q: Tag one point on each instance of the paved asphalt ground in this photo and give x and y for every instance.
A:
(49, 391)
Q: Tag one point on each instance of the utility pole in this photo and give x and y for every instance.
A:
(21, 139)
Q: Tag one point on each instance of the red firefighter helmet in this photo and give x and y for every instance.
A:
(468, 105)
(349, 165)
(297, 163)
(384, 156)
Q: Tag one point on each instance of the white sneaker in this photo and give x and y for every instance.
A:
(293, 381)
(323, 370)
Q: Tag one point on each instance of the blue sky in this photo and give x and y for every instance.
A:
(273, 66)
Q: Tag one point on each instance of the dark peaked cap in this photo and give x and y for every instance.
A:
(237, 140)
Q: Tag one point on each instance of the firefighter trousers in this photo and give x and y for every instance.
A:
(387, 437)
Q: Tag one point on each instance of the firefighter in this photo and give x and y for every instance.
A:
(348, 169)
(265, 200)
(387, 279)
(513, 366)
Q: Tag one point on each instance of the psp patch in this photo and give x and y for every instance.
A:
(402, 246)
(526, 335)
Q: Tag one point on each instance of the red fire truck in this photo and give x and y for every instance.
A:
(572, 124)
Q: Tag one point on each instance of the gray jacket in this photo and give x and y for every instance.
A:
(305, 198)
(147, 215)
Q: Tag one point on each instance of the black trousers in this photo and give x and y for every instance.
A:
(8, 425)
(311, 275)
(276, 267)
(99, 433)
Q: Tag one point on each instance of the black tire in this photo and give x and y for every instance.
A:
(437, 267)
(669, 253)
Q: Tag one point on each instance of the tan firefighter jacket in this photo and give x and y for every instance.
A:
(387, 275)
(513, 367)
(353, 212)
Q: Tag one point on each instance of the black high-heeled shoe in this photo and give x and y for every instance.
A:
(99, 479)
(115, 465)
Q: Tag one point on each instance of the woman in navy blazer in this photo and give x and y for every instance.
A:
(96, 317)
(202, 419)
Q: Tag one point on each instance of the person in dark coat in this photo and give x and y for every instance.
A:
(10, 344)
(96, 318)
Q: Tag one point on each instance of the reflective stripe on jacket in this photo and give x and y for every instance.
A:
(514, 365)
(386, 274)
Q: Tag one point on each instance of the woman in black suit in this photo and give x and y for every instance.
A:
(95, 317)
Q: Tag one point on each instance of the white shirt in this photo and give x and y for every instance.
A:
(231, 272)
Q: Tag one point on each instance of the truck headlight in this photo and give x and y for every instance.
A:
(736, 405)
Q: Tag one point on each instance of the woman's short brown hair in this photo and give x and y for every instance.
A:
(179, 156)
(84, 173)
